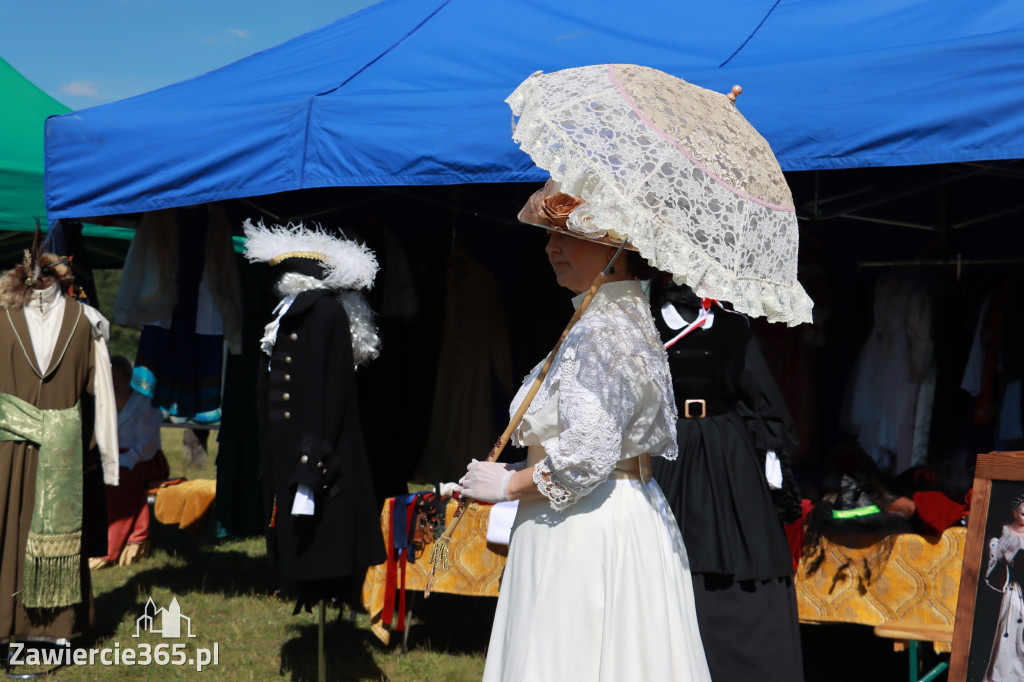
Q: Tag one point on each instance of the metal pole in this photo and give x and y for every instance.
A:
(322, 654)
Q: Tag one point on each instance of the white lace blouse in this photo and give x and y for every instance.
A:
(606, 398)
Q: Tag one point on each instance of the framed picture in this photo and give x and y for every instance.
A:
(988, 633)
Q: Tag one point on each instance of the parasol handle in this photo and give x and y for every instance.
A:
(439, 555)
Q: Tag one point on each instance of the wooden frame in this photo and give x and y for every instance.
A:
(998, 478)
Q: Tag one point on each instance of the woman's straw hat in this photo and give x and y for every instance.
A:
(556, 211)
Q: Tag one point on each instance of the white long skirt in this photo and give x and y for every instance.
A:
(600, 591)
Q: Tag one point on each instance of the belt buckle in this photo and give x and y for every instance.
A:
(695, 402)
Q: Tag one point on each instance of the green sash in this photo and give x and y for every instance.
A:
(54, 549)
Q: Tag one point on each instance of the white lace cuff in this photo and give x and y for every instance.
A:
(547, 483)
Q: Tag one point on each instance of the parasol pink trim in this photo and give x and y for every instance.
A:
(652, 126)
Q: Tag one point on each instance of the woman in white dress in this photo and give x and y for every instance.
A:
(597, 584)
(1005, 573)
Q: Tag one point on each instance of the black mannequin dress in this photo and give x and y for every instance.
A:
(739, 557)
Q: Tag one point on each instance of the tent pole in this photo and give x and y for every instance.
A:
(321, 654)
(987, 217)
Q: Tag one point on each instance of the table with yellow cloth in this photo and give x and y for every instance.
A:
(872, 580)
(476, 565)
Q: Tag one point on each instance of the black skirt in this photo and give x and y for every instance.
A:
(720, 497)
(749, 629)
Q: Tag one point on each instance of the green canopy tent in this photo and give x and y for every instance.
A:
(22, 118)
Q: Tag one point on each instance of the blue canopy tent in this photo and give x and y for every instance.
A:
(410, 92)
(861, 100)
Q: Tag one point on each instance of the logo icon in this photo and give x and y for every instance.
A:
(170, 620)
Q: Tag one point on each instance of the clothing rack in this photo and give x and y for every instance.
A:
(957, 262)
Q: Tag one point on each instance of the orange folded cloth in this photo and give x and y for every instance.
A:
(163, 484)
(186, 505)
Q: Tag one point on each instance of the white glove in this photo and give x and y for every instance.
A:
(486, 481)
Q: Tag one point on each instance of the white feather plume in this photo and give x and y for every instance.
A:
(349, 265)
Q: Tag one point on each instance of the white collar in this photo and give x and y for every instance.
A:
(611, 292)
(43, 300)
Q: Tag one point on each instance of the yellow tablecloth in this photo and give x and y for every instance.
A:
(476, 565)
(186, 504)
(870, 581)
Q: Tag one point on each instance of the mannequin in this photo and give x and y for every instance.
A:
(322, 522)
(732, 423)
(56, 404)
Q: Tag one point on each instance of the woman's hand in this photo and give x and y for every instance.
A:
(486, 481)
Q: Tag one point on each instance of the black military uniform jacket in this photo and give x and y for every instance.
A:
(310, 434)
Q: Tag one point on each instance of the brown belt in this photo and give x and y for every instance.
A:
(637, 468)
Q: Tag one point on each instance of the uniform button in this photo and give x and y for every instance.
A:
(303, 459)
(287, 377)
(286, 396)
(319, 465)
(287, 359)
(287, 415)
(293, 336)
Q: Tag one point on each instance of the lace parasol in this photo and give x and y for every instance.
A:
(677, 170)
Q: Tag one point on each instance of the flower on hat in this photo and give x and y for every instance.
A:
(557, 207)
(582, 221)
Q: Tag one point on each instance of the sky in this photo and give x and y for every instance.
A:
(89, 52)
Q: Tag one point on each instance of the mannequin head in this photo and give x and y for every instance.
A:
(34, 274)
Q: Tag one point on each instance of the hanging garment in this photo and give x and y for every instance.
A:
(994, 371)
(178, 367)
(398, 293)
(149, 289)
(894, 372)
(474, 353)
(239, 508)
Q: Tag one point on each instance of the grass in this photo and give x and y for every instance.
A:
(230, 592)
